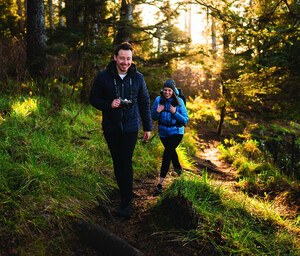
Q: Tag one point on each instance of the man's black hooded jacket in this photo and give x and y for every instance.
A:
(108, 86)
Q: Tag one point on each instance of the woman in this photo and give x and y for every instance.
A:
(170, 112)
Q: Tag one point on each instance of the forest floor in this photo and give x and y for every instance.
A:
(139, 231)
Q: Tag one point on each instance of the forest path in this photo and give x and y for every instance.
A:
(139, 231)
(208, 158)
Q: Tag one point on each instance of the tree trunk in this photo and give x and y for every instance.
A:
(226, 42)
(72, 19)
(84, 60)
(36, 38)
(51, 14)
(124, 33)
(213, 38)
(103, 241)
(61, 18)
(222, 119)
(94, 12)
(188, 25)
(21, 17)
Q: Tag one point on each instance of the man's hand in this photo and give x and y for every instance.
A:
(115, 103)
(146, 135)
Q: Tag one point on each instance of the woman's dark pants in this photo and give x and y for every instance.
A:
(170, 154)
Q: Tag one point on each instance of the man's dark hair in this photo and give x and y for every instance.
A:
(123, 46)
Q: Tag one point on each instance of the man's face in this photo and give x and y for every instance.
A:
(123, 60)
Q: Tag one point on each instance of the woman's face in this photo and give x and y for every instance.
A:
(167, 92)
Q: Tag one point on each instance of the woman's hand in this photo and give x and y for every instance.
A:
(172, 109)
(160, 108)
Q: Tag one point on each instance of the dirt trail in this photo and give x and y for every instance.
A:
(208, 159)
(139, 231)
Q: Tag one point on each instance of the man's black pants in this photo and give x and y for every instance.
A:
(121, 147)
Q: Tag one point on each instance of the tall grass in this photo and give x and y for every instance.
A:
(45, 158)
(257, 174)
(54, 165)
(234, 223)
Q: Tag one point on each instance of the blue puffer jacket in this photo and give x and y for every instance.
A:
(168, 123)
(108, 86)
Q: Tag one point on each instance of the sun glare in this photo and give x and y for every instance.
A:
(194, 23)
(191, 20)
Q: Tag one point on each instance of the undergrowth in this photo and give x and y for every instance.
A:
(233, 223)
(258, 175)
(49, 168)
(54, 165)
(265, 154)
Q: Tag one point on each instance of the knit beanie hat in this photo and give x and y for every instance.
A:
(170, 83)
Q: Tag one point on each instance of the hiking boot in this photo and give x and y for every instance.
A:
(178, 171)
(158, 189)
(125, 211)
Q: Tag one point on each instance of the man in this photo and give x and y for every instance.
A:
(120, 92)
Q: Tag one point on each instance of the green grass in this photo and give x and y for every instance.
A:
(55, 164)
(44, 161)
(257, 174)
(234, 223)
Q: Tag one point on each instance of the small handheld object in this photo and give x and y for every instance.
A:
(125, 103)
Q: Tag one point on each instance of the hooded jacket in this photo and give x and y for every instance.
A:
(108, 86)
(168, 123)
